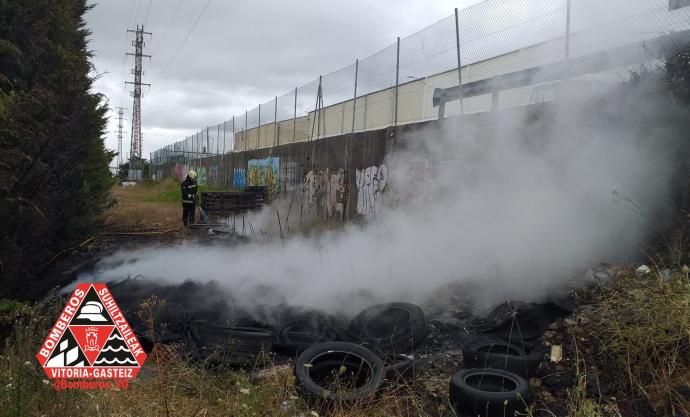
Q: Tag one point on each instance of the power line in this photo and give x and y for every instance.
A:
(136, 17)
(160, 16)
(167, 29)
(148, 10)
(184, 40)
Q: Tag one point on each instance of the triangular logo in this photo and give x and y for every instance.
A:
(67, 353)
(91, 339)
(115, 352)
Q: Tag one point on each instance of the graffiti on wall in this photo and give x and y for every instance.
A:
(201, 175)
(181, 171)
(212, 176)
(290, 175)
(264, 172)
(370, 182)
(324, 192)
(239, 178)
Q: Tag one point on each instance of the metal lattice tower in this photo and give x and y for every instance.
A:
(120, 120)
(138, 43)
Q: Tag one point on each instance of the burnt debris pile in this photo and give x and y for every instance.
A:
(337, 358)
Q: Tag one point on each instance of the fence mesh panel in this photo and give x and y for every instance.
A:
(494, 38)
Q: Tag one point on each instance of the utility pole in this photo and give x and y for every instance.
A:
(138, 43)
(120, 119)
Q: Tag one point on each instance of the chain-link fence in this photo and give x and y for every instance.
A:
(396, 85)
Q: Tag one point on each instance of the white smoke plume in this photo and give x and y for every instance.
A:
(509, 204)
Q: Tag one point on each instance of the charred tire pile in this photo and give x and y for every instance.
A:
(494, 353)
(521, 321)
(338, 371)
(298, 335)
(488, 392)
(391, 328)
(231, 346)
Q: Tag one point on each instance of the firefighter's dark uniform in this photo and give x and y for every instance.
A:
(189, 194)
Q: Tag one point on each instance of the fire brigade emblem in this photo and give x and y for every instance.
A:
(91, 345)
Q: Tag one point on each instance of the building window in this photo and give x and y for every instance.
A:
(677, 4)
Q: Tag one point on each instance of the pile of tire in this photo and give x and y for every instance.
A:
(499, 362)
(228, 346)
(345, 371)
(391, 328)
(495, 353)
(298, 335)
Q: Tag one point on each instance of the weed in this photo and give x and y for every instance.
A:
(641, 326)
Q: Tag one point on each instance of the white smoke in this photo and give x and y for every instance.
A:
(509, 204)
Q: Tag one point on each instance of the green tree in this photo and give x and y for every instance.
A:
(54, 177)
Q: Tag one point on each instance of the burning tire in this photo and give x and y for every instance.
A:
(495, 353)
(233, 346)
(392, 328)
(338, 371)
(488, 392)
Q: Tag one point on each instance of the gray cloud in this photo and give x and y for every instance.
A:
(241, 53)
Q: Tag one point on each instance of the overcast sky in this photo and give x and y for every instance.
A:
(240, 54)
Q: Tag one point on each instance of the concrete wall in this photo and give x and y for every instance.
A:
(336, 178)
(323, 172)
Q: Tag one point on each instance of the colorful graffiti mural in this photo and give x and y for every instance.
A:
(370, 185)
(201, 175)
(239, 178)
(264, 172)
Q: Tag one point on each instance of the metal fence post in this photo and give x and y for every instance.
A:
(218, 137)
(208, 142)
(294, 119)
(245, 129)
(258, 129)
(275, 122)
(457, 42)
(397, 78)
(567, 31)
(354, 100)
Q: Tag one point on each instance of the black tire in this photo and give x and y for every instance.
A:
(488, 392)
(362, 369)
(234, 346)
(392, 328)
(400, 367)
(296, 336)
(496, 353)
(524, 322)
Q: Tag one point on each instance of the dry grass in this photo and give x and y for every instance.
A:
(145, 206)
(168, 385)
(641, 326)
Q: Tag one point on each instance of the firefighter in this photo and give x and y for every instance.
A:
(189, 198)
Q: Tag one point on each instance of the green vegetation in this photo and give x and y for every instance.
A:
(167, 191)
(54, 176)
